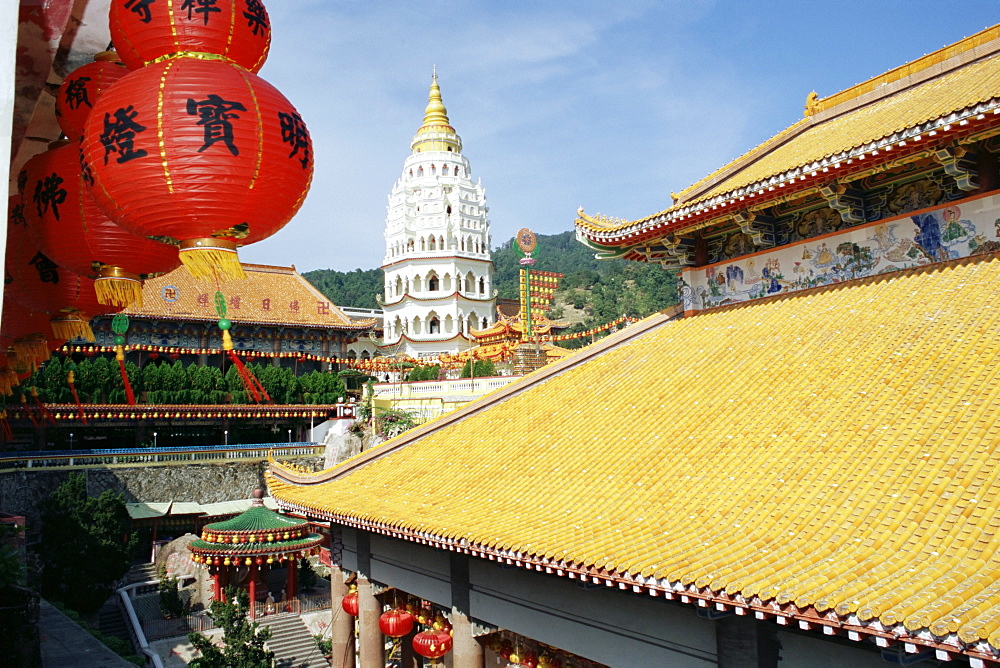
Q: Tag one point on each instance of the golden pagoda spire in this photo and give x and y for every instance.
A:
(436, 133)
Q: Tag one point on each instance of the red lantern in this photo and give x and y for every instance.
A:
(350, 604)
(67, 225)
(199, 153)
(396, 623)
(39, 284)
(82, 88)
(432, 644)
(239, 32)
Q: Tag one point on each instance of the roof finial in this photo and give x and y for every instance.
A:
(435, 113)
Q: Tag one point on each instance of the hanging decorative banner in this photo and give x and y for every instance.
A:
(624, 320)
(119, 325)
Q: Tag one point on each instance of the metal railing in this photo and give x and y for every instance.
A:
(444, 388)
(156, 456)
(155, 627)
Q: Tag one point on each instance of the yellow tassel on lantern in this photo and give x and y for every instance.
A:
(117, 287)
(31, 350)
(212, 259)
(71, 325)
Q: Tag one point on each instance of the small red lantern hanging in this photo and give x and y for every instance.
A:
(68, 226)
(396, 623)
(237, 31)
(350, 602)
(432, 644)
(201, 154)
(82, 88)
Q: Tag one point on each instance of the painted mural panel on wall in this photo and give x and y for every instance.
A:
(954, 230)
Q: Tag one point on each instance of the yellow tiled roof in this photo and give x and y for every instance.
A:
(269, 295)
(835, 449)
(908, 108)
(947, 81)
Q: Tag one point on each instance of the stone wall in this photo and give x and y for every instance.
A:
(22, 490)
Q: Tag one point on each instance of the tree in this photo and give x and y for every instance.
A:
(242, 640)
(85, 544)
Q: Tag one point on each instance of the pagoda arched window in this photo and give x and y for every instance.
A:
(446, 283)
(456, 170)
(433, 244)
(482, 286)
(351, 355)
(463, 243)
(441, 242)
(433, 284)
(420, 171)
(366, 355)
(470, 323)
(485, 324)
(449, 324)
(470, 282)
(434, 170)
(416, 325)
(417, 283)
(434, 326)
(423, 244)
(399, 286)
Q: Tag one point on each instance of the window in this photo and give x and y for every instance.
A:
(434, 326)
(482, 286)
(433, 284)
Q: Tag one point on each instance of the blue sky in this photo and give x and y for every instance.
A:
(609, 106)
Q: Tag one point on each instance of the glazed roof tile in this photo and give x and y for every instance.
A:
(269, 295)
(836, 449)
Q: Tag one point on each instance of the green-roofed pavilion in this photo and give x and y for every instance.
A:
(256, 539)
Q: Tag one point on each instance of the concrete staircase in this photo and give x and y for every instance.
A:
(110, 621)
(142, 572)
(292, 644)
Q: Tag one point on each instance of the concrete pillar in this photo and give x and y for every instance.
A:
(370, 641)
(467, 651)
(342, 624)
(253, 591)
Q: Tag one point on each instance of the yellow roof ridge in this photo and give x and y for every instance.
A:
(960, 53)
(916, 66)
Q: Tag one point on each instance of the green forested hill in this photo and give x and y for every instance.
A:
(592, 293)
(351, 288)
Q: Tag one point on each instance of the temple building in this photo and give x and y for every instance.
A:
(275, 313)
(801, 471)
(438, 271)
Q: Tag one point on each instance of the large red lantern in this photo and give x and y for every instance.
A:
(432, 644)
(350, 603)
(237, 30)
(396, 623)
(69, 228)
(198, 153)
(81, 89)
(37, 283)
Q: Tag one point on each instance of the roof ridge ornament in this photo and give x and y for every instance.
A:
(812, 104)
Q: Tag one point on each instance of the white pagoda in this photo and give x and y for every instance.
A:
(438, 271)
